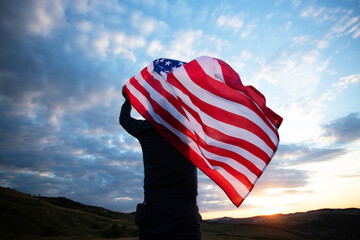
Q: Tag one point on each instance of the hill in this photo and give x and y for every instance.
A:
(28, 217)
(319, 224)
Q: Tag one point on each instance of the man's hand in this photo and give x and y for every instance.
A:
(124, 93)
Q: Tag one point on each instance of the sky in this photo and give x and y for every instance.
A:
(63, 65)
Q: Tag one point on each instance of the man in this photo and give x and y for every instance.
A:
(169, 210)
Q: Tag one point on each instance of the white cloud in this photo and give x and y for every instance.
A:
(356, 34)
(245, 55)
(323, 44)
(145, 24)
(190, 44)
(344, 23)
(311, 56)
(154, 48)
(300, 39)
(312, 12)
(346, 81)
(232, 22)
(105, 42)
(46, 16)
(324, 66)
(100, 97)
(335, 90)
(101, 45)
(291, 74)
(124, 44)
(249, 30)
(182, 47)
(37, 17)
(128, 41)
(355, 30)
(274, 71)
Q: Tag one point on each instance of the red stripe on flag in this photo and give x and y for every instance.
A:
(230, 154)
(154, 83)
(198, 76)
(160, 111)
(192, 155)
(232, 162)
(233, 80)
(241, 177)
(223, 116)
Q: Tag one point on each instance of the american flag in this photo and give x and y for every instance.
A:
(204, 110)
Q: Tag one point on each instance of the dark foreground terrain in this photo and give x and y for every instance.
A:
(28, 217)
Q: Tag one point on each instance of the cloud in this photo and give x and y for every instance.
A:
(60, 96)
(100, 45)
(278, 177)
(154, 48)
(344, 130)
(355, 30)
(146, 24)
(346, 81)
(190, 44)
(323, 44)
(38, 17)
(295, 154)
(336, 88)
(300, 39)
(324, 66)
(38, 160)
(249, 31)
(311, 12)
(125, 45)
(344, 21)
(311, 56)
(234, 22)
(183, 46)
(290, 68)
(211, 197)
(109, 44)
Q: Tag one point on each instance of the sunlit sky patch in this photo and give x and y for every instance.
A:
(63, 64)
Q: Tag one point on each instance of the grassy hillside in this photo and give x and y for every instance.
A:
(27, 217)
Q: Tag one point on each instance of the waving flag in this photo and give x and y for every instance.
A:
(205, 111)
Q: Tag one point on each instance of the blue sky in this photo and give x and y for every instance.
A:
(63, 64)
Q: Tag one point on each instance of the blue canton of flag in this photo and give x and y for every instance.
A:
(166, 65)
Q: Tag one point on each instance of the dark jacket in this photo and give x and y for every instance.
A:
(168, 174)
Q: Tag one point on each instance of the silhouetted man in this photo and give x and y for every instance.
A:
(169, 210)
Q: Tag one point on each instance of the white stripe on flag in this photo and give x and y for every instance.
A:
(230, 106)
(227, 151)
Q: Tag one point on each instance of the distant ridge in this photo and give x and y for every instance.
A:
(23, 216)
(316, 224)
(269, 219)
